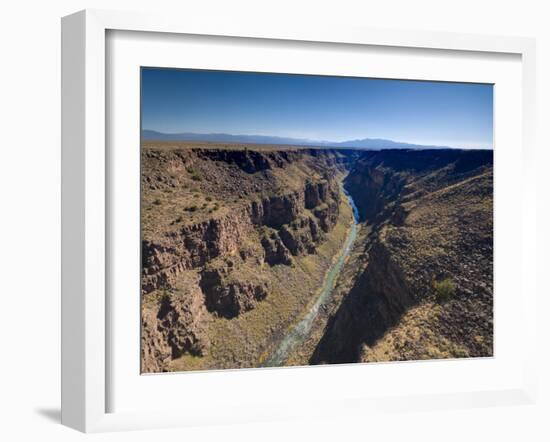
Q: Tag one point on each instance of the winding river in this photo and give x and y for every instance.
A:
(301, 330)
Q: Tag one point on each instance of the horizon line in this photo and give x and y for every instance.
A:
(312, 140)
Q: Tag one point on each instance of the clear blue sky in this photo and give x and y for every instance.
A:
(317, 107)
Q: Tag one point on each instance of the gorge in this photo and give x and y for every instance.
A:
(267, 256)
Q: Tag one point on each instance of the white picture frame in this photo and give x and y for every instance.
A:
(85, 201)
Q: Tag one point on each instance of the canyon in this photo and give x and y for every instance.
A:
(259, 256)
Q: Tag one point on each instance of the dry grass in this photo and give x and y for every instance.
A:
(415, 338)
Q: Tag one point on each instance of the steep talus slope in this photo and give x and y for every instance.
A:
(431, 219)
(217, 225)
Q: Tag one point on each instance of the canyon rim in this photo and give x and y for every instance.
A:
(268, 251)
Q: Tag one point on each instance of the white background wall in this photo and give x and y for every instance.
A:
(30, 214)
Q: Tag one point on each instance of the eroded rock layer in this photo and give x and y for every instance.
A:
(215, 222)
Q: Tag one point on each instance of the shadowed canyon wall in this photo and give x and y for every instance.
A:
(431, 218)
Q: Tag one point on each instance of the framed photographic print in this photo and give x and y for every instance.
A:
(267, 222)
(269, 251)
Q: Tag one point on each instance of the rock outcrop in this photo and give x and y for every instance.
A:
(171, 326)
(229, 293)
(190, 247)
(275, 251)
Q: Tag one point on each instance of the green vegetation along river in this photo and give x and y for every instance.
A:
(301, 330)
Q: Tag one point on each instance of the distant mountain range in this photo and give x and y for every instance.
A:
(366, 143)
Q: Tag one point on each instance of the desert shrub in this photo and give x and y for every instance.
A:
(192, 208)
(208, 198)
(444, 289)
(157, 202)
(194, 174)
(164, 301)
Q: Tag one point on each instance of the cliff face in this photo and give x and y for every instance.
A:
(190, 247)
(374, 189)
(376, 301)
(292, 231)
(173, 327)
(431, 219)
(220, 220)
(236, 243)
(227, 292)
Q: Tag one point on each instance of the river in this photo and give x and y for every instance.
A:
(301, 330)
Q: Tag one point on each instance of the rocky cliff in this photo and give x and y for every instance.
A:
(236, 243)
(215, 223)
(172, 326)
(431, 219)
(293, 224)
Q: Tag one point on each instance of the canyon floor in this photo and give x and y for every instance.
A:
(258, 256)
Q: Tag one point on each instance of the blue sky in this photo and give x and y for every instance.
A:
(317, 107)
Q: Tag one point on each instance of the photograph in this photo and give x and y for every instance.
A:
(299, 220)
